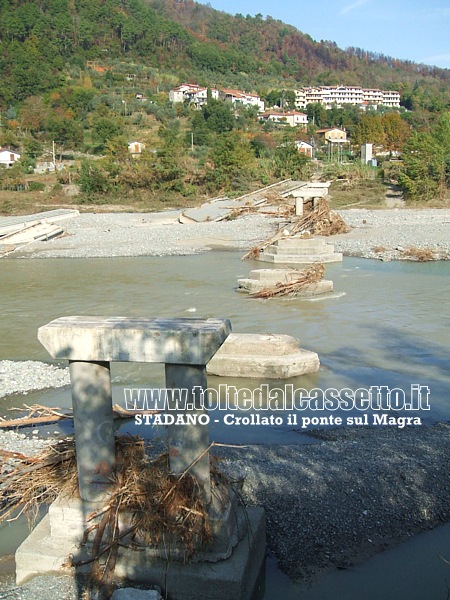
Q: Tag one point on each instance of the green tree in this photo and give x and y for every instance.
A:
(369, 130)
(106, 129)
(317, 114)
(396, 131)
(93, 179)
(289, 162)
(66, 132)
(219, 116)
(426, 162)
(231, 158)
(168, 170)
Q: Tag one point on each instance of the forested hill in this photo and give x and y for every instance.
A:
(41, 39)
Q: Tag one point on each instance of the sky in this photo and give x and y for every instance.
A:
(416, 30)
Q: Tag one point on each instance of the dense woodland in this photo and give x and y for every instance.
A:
(71, 71)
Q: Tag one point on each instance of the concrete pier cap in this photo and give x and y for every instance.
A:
(133, 339)
(90, 344)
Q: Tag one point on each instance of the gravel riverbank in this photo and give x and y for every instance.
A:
(358, 492)
(20, 377)
(382, 234)
(387, 234)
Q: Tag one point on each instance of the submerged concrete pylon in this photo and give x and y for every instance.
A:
(264, 356)
(264, 279)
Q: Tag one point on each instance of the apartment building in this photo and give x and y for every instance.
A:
(330, 96)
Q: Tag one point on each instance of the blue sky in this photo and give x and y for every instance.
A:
(417, 30)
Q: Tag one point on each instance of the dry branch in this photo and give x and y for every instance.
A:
(308, 276)
(147, 504)
(319, 221)
(44, 415)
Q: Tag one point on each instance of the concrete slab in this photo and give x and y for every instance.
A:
(300, 251)
(236, 577)
(299, 259)
(13, 224)
(307, 245)
(263, 279)
(262, 356)
(128, 339)
(39, 555)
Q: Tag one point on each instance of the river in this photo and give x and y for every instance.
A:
(387, 324)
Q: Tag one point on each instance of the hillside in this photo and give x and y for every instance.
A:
(41, 39)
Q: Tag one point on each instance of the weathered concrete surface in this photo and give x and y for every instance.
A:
(90, 343)
(219, 209)
(236, 577)
(189, 442)
(263, 356)
(15, 224)
(93, 427)
(300, 251)
(131, 339)
(262, 279)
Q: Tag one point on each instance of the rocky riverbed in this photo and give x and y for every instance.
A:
(358, 492)
(381, 234)
(333, 503)
(396, 234)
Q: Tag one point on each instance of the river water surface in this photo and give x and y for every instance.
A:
(387, 324)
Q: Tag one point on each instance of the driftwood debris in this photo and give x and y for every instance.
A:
(44, 415)
(319, 221)
(37, 415)
(147, 505)
(308, 276)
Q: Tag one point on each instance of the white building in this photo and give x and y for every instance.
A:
(244, 98)
(195, 94)
(291, 118)
(339, 95)
(136, 148)
(8, 157)
(305, 148)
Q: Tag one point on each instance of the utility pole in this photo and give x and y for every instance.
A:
(53, 155)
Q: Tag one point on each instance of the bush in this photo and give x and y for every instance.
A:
(36, 186)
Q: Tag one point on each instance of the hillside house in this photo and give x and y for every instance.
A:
(332, 135)
(136, 148)
(292, 118)
(192, 93)
(8, 157)
(305, 148)
(243, 98)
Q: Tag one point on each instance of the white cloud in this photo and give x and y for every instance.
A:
(352, 6)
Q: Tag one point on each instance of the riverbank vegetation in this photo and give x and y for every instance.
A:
(78, 95)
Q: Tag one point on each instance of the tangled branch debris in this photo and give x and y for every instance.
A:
(37, 480)
(319, 221)
(147, 505)
(42, 415)
(274, 205)
(419, 254)
(308, 276)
